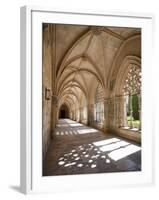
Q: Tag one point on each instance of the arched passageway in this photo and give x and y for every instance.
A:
(64, 112)
(93, 109)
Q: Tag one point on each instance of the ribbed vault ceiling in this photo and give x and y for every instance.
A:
(84, 57)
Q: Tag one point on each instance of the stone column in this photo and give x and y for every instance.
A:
(90, 114)
(76, 114)
(74, 118)
(54, 112)
(139, 102)
(106, 114)
(120, 112)
(125, 122)
(131, 111)
(81, 114)
(117, 112)
(71, 114)
(110, 121)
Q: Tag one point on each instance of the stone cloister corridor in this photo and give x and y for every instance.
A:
(79, 149)
(91, 99)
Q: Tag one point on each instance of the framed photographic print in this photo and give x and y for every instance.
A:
(86, 100)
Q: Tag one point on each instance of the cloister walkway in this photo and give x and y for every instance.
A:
(79, 149)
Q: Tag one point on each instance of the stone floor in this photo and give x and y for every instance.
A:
(78, 149)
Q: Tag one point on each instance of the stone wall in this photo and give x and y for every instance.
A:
(47, 85)
(129, 134)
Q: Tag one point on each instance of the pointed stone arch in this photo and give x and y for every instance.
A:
(124, 68)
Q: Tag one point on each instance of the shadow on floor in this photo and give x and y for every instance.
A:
(15, 188)
(79, 149)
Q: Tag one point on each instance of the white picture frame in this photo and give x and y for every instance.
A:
(31, 102)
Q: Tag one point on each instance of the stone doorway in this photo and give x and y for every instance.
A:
(64, 112)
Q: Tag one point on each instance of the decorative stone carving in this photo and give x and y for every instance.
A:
(132, 83)
(99, 97)
(132, 86)
(97, 30)
(99, 104)
(47, 93)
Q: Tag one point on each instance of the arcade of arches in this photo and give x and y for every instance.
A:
(91, 93)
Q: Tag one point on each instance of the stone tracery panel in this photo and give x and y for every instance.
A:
(132, 84)
(99, 104)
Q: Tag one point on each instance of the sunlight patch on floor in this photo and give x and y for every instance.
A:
(83, 131)
(123, 152)
(114, 146)
(75, 124)
(107, 141)
(93, 154)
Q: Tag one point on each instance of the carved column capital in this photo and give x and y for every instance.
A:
(54, 99)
